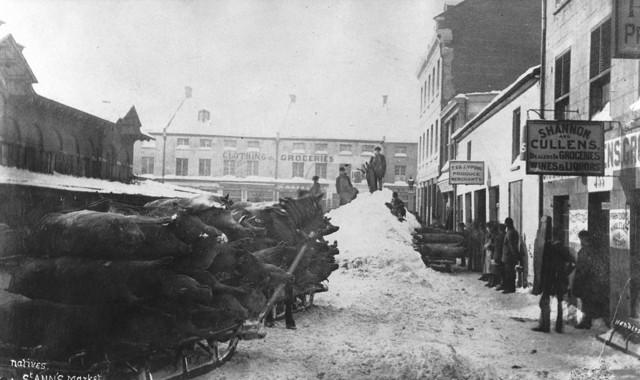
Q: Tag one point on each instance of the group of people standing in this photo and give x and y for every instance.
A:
(496, 250)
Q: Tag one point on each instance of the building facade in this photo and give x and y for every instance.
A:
(473, 39)
(260, 169)
(584, 82)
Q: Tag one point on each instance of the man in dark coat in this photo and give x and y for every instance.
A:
(510, 256)
(590, 281)
(344, 188)
(315, 189)
(379, 164)
(397, 207)
(557, 265)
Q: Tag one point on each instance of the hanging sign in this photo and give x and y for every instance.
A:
(466, 172)
(626, 29)
(565, 147)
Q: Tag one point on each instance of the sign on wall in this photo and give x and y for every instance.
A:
(619, 229)
(578, 221)
(565, 147)
(466, 172)
(626, 29)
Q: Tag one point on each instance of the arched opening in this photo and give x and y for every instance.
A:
(11, 142)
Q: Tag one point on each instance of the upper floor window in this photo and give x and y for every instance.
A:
(252, 167)
(298, 169)
(421, 97)
(229, 167)
(367, 148)
(182, 142)
(204, 167)
(469, 151)
(433, 84)
(438, 75)
(203, 115)
(345, 148)
(515, 133)
(562, 81)
(147, 165)
(230, 143)
(435, 142)
(321, 170)
(600, 68)
(322, 147)
(205, 143)
(253, 145)
(299, 147)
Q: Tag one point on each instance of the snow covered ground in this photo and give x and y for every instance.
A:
(386, 316)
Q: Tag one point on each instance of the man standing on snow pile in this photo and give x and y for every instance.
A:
(510, 256)
(344, 188)
(379, 164)
(557, 264)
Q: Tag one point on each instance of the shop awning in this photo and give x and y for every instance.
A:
(443, 183)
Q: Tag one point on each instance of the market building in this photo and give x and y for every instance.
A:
(264, 168)
(463, 58)
(584, 83)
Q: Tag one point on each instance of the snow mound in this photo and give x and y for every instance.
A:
(372, 240)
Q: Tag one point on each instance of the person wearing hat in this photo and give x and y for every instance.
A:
(344, 188)
(379, 164)
(315, 188)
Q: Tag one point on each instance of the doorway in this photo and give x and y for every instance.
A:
(494, 203)
(480, 206)
(598, 227)
(561, 217)
(515, 204)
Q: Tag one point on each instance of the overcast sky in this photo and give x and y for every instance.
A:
(242, 58)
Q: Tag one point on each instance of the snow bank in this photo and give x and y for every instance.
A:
(372, 240)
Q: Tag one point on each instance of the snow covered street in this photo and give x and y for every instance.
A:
(388, 316)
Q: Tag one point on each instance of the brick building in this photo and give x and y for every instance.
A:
(480, 46)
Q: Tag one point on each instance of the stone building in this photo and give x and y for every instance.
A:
(480, 46)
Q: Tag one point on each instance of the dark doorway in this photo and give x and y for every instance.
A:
(480, 206)
(494, 203)
(561, 216)
(515, 204)
(599, 228)
(467, 208)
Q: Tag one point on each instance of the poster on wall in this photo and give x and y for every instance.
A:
(578, 221)
(619, 229)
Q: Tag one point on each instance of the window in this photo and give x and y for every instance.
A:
(433, 84)
(345, 148)
(427, 153)
(600, 68)
(429, 89)
(203, 115)
(182, 166)
(229, 143)
(252, 167)
(366, 148)
(421, 97)
(321, 147)
(147, 165)
(424, 146)
(515, 133)
(438, 75)
(321, 170)
(298, 169)
(400, 170)
(229, 167)
(435, 140)
(469, 151)
(205, 143)
(445, 142)
(182, 142)
(424, 99)
(298, 147)
(562, 81)
(420, 148)
(431, 141)
(253, 145)
(204, 167)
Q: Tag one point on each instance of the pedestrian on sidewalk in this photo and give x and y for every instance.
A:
(497, 266)
(590, 282)
(557, 264)
(465, 243)
(489, 248)
(510, 256)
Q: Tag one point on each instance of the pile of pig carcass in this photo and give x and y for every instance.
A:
(438, 246)
(126, 280)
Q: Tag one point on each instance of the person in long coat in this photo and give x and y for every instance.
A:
(590, 282)
(344, 188)
(510, 256)
(557, 264)
(489, 247)
(315, 189)
(497, 266)
(379, 164)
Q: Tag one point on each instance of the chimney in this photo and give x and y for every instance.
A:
(293, 98)
(187, 92)
(384, 100)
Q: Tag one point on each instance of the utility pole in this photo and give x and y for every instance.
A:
(187, 95)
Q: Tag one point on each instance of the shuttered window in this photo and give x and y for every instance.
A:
(600, 49)
(563, 74)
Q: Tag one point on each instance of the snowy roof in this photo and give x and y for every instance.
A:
(66, 182)
(531, 73)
